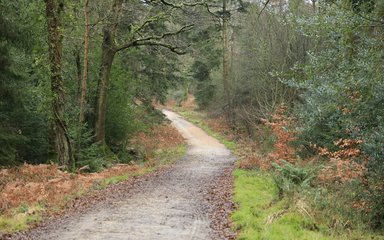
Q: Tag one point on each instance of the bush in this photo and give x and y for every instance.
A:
(342, 88)
(291, 179)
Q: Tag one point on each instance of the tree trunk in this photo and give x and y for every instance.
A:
(76, 54)
(108, 54)
(233, 50)
(63, 148)
(349, 36)
(83, 88)
(227, 97)
(109, 49)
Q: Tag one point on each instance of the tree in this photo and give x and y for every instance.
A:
(83, 81)
(10, 140)
(23, 122)
(83, 87)
(223, 13)
(225, 16)
(54, 10)
(276, 48)
(141, 34)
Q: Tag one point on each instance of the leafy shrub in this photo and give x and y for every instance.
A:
(87, 152)
(280, 125)
(291, 178)
(342, 88)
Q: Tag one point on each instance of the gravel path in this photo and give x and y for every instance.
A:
(190, 200)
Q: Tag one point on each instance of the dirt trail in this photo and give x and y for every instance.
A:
(171, 205)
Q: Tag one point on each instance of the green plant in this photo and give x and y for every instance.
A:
(342, 85)
(88, 153)
(291, 179)
(21, 218)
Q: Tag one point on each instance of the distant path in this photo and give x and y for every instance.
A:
(169, 206)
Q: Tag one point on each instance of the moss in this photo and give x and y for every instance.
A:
(21, 218)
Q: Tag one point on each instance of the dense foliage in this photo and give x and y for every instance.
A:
(342, 92)
(132, 55)
(322, 61)
(23, 122)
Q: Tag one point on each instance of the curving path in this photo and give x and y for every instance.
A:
(168, 206)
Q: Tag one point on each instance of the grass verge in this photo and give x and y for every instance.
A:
(21, 219)
(263, 213)
(163, 157)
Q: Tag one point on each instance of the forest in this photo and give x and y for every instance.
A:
(293, 87)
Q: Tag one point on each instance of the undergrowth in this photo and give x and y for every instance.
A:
(22, 217)
(285, 199)
(29, 192)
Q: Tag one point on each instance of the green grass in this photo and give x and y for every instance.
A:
(257, 199)
(170, 156)
(115, 179)
(261, 215)
(163, 157)
(120, 178)
(21, 218)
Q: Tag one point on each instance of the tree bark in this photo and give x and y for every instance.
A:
(76, 55)
(83, 88)
(108, 54)
(226, 91)
(63, 147)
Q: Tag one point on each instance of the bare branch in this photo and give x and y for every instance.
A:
(173, 48)
(182, 4)
(210, 12)
(265, 5)
(155, 39)
(146, 22)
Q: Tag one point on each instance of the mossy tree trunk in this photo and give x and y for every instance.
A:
(54, 9)
(108, 54)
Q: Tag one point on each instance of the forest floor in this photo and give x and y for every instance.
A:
(189, 200)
